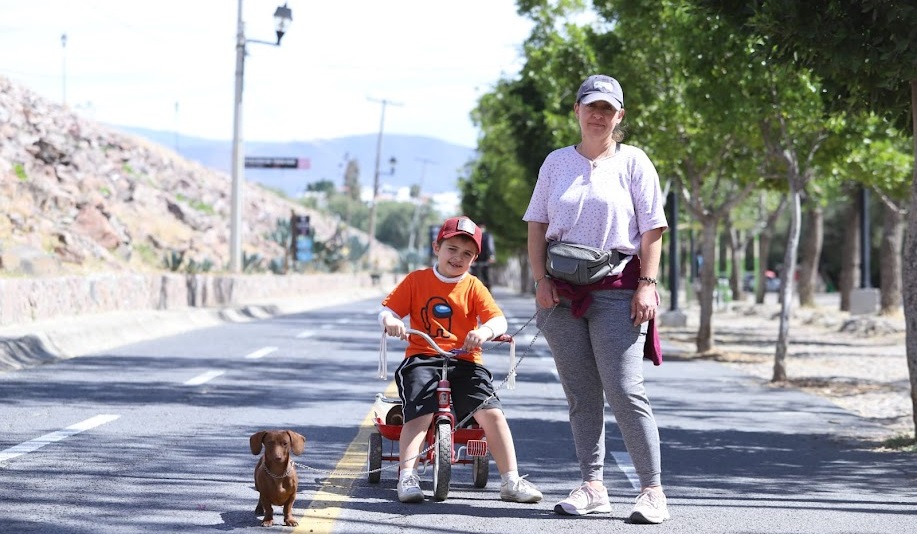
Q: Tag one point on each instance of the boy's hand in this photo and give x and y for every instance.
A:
(476, 338)
(394, 327)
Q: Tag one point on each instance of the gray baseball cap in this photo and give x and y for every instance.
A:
(601, 87)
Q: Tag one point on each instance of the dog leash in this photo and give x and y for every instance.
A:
(510, 377)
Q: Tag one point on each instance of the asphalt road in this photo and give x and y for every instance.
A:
(153, 437)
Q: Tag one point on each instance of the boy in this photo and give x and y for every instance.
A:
(447, 303)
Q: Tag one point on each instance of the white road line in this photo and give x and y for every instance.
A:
(303, 335)
(260, 353)
(53, 437)
(203, 378)
(627, 467)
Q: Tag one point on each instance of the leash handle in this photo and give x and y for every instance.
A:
(382, 372)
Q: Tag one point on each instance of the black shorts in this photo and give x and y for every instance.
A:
(418, 376)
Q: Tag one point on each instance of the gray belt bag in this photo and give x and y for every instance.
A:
(579, 264)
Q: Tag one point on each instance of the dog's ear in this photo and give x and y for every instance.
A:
(297, 441)
(255, 441)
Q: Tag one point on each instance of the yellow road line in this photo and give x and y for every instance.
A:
(325, 508)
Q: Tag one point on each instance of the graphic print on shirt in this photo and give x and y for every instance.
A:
(437, 309)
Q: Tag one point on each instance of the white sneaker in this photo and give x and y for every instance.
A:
(409, 489)
(584, 500)
(520, 491)
(650, 508)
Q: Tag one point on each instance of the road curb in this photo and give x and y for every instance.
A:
(33, 344)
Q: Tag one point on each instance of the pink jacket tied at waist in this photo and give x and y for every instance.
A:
(581, 299)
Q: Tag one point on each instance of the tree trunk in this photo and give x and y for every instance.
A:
(910, 272)
(786, 287)
(764, 250)
(736, 248)
(526, 284)
(890, 267)
(810, 253)
(850, 254)
(705, 341)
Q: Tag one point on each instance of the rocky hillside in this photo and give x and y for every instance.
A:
(76, 196)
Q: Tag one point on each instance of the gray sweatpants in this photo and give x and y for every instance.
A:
(599, 354)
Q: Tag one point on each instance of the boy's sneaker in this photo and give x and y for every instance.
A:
(584, 500)
(520, 491)
(650, 508)
(409, 489)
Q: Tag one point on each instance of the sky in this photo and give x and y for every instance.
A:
(170, 65)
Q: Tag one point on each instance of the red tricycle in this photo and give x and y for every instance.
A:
(444, 445)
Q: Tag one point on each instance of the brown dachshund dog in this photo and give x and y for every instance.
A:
(275, 474)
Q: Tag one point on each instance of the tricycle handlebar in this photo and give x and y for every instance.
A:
(505, 338)
(430, 341)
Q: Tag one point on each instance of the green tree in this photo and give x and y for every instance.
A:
(352, 179)
(394, 228)
(524, 119)
(864, 50)
(321, 186)
(691, 86)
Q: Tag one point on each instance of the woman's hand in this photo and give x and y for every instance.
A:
(643, 305)
(546, 294)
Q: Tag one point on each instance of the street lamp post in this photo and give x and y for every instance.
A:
(283, 16)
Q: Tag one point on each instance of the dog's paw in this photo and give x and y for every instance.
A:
(267, 523)
(290, 522)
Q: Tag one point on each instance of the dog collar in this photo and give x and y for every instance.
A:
(288, 472)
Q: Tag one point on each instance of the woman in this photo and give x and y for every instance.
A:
(606, 195)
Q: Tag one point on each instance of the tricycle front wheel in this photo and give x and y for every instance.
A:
(442, 460)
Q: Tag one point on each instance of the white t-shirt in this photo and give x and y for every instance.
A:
(607, 205)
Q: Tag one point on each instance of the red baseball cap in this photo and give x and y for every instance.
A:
(460, 226)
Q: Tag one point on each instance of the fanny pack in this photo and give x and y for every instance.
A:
(579, 264)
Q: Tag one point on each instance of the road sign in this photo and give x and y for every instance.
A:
(302, 238)
(277, 163)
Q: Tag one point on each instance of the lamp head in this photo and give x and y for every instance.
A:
(283, 17)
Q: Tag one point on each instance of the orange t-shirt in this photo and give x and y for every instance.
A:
(445, 311)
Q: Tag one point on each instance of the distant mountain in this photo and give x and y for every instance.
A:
(444, 161)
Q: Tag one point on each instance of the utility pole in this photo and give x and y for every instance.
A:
(372, 206)
(63, 44)
(415, 221)
(176, 128)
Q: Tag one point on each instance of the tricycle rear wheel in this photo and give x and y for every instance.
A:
(375, 457)
(481, 470)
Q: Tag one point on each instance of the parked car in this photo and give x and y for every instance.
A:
(771, 282)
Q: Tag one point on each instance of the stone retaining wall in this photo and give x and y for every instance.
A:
(39, 299)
